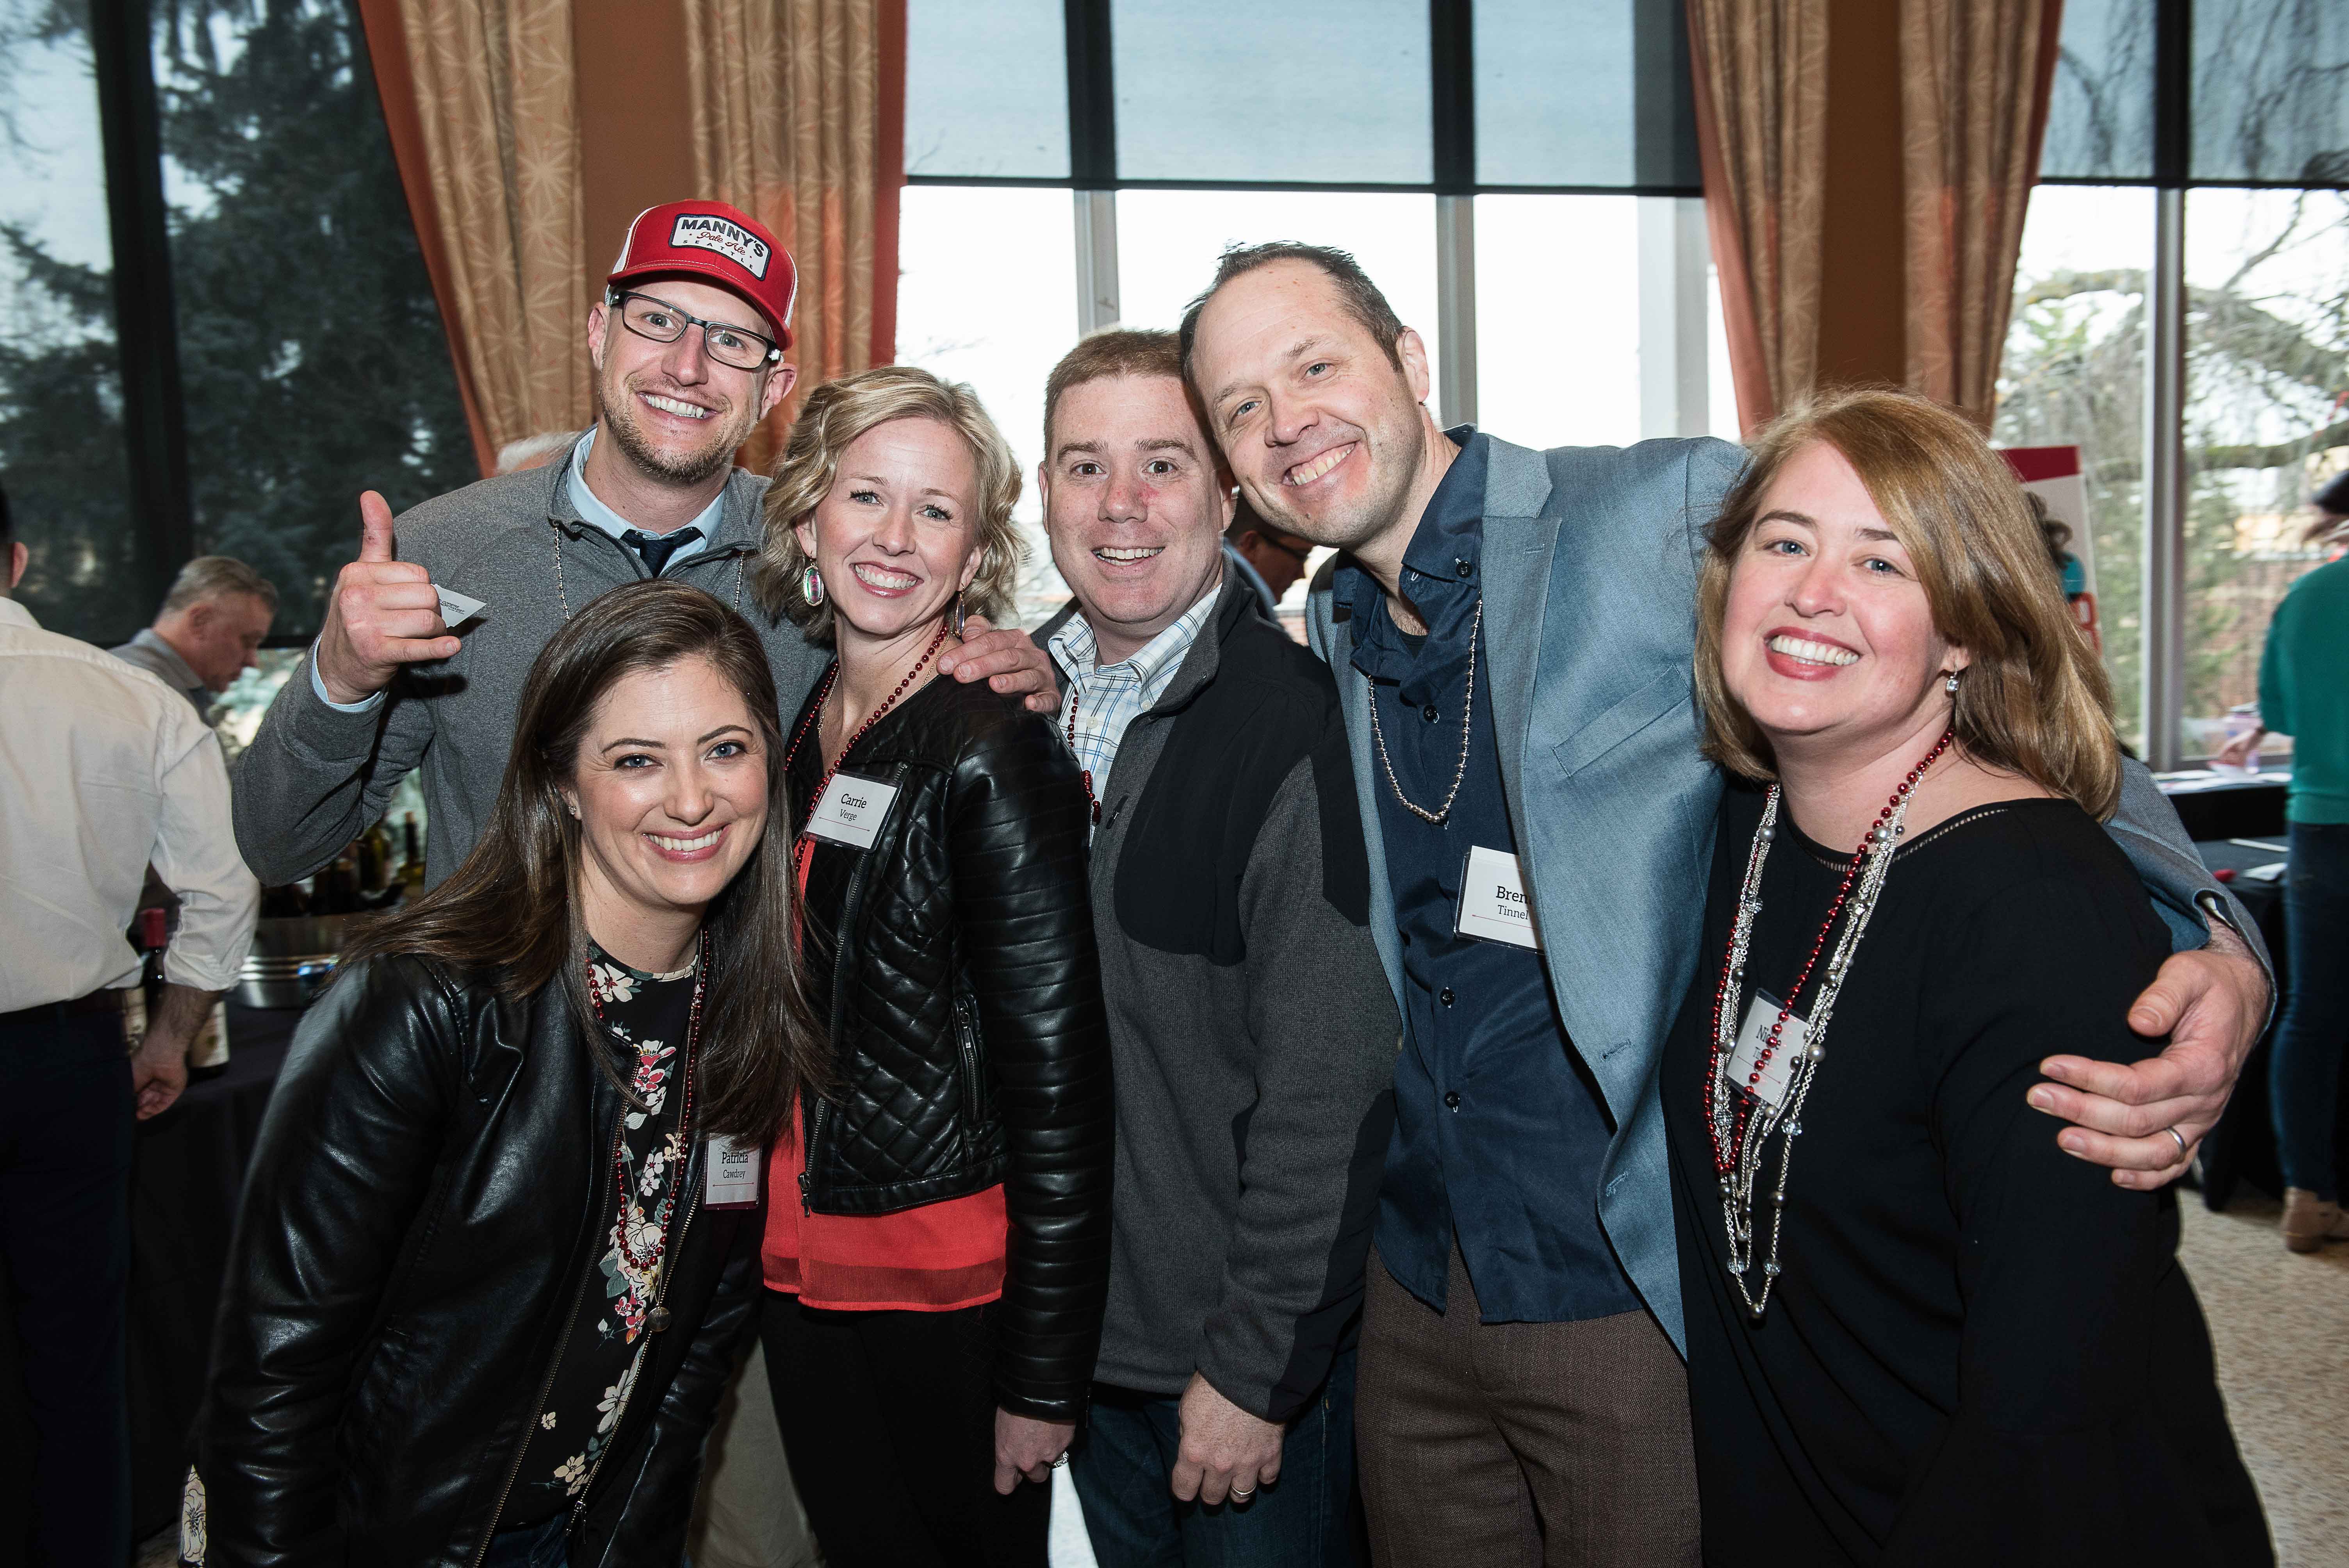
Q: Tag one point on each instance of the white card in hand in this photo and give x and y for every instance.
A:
(1778, 1072)
(456, 608)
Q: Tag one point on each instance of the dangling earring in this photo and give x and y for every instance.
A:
(957, 615)
(1949, 683)
(811, 584)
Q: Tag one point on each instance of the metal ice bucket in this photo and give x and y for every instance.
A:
(292, 956)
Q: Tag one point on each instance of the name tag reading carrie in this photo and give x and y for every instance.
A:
(733, 1177)
(1778, 1072)
(1492, 902)
(852, 811)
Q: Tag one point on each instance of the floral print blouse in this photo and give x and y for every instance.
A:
(644, 1017)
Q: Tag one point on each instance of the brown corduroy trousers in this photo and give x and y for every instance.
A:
(1509, 1445)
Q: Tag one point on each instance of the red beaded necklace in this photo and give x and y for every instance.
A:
(801, 845)
(666, 1208)
(1075, 692)
(1725, 1152)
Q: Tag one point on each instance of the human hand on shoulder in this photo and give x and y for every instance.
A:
(1009, 660)
(2144, 1120)
(384, 613)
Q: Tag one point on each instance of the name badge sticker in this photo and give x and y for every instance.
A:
(733, 1175)
(1778, 1073)
(1492, 902)
(852, 811)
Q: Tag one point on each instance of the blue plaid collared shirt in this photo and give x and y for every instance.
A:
(1106, 698)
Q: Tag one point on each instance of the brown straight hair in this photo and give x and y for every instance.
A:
(2034, 700)
(513, 909)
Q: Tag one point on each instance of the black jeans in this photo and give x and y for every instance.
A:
(888, 1419)
(2304, 1077)
(65, 1242)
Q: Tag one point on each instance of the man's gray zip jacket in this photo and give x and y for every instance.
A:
(313, 779)
(1251, 1030)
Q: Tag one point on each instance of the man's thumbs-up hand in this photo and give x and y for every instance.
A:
(383, 613)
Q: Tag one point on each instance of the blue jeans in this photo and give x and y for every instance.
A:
(533, 1546)
(1124, 1460)
(2304, 1077)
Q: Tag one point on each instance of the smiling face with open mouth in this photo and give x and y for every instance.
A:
(671, 786)
(1134, 506)
(896, 537)
(677, 414)
(1325, 433)
(1828, 639)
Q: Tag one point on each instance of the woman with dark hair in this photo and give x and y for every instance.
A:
(1917, 1330)
(936, 1252)
(491, 1272)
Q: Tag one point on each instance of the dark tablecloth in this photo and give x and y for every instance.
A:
(185, 1182)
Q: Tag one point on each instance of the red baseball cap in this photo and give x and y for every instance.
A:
(724, 245)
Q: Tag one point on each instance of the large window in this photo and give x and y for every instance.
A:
(1496, 170)
(2182, 316)
(217, 327)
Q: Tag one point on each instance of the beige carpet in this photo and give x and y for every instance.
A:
(2281, 1325)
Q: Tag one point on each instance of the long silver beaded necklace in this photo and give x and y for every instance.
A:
(1740, 1117)
(1467, 730)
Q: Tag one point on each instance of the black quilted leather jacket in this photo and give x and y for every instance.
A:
(424, 1205)
(955, 961)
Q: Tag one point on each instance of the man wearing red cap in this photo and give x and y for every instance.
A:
(687, 347)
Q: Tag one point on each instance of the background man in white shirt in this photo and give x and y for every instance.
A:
(107, 769)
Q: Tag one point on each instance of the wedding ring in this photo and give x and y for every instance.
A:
(1239, 1496)
(2181, 1141)
(1062, 1462)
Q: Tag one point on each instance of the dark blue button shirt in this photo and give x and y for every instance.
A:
(1498, 1135)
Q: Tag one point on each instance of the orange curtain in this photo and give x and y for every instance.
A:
(1975, 79)
(790, 102)
(479, 95)
(1761, 70)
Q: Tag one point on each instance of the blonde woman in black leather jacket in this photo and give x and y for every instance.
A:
(936, 1251)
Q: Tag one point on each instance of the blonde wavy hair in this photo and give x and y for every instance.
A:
(835, 416)
(2034, 699)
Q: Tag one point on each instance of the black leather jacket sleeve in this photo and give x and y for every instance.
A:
(1016, 839)
(659, 1497)
(344, 1163)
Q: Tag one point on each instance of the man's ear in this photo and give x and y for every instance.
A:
(599, 319)
(1413, 352)
(779, 382)
(19, 558)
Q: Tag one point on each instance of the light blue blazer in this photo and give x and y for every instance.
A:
(1590, 573)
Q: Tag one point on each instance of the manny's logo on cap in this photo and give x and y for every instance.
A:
(708, 231)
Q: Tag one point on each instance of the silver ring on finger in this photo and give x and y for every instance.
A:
(1062, 1462)
(1239, 1496)
(2180, 1138)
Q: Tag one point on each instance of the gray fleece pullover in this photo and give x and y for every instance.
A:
(314, 778)
(1251, 1029)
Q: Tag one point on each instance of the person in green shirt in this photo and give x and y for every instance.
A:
(2304, 693)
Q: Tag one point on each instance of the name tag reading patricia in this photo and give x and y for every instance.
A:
(852, 811)
(733, 1175)
(1778, 1072)
(1492, 902)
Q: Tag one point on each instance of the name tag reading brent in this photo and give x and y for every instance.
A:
(1492, 902)
(852, 811)
(1778, 1072)
(733, 1180)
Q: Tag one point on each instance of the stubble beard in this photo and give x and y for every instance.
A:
(1349, 529)
(618, 415)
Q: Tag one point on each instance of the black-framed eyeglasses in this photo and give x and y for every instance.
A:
(662, 322)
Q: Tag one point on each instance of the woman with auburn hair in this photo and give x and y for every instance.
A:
(936, 1250)
(490, 1275)
(1918, 1331)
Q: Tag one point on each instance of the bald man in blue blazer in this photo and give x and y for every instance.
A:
(1512, 632)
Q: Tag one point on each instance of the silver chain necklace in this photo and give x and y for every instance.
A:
(564, 598)
(1467, 723)
(1786, 1116)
